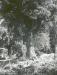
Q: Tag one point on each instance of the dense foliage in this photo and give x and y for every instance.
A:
(28, 37)
(30, 20)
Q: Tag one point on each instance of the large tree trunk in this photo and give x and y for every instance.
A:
(26, 39)
(52, 38)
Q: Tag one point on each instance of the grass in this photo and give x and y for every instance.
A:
(44, 65)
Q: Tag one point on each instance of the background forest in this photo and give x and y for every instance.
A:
(28, 36)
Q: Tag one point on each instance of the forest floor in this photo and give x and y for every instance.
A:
(43, 63)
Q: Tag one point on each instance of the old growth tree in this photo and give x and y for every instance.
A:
(30, 16)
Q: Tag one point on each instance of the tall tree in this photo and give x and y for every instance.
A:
(31, 14)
